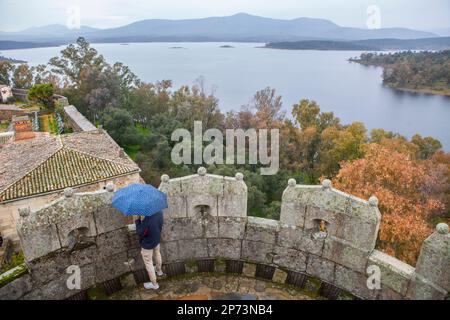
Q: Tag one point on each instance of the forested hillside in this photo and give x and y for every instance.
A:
(418, 71)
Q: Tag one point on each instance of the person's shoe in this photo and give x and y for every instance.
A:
(160, 274)
(151, 286)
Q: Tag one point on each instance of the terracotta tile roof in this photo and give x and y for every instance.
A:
(97, 143)
(20, 157)
(50, 163)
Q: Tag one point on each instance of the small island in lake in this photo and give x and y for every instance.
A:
(321, 45)
(227, 46)
(426, 72)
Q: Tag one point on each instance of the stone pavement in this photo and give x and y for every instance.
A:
(214, 287)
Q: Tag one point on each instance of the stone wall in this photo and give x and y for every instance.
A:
(81, 230)
(8, 114)
(20, 94)
(324, 237)
(76, 120)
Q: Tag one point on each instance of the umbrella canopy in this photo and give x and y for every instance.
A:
(139, 200)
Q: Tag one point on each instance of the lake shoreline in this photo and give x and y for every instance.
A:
(421, 90)
(429, 91)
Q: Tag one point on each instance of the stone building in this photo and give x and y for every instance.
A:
(36, 167)
(325, 240)
(35, 171)
(5, 93)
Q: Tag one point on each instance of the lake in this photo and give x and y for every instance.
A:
(352, 91)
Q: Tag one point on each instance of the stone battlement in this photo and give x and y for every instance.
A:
(322, 234)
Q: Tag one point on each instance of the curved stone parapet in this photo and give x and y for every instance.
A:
(324, 236)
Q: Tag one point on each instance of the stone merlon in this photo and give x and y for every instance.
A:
(322, 233)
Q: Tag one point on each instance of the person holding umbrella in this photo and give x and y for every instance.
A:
(145, 200)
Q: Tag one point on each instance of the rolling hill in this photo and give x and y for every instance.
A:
(240, 27)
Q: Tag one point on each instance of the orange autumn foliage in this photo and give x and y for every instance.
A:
(401, 185)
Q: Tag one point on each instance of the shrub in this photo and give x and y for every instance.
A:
(42, 94)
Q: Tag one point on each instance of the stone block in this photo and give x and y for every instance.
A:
(354, 282)
(290, 258)
(111, 267)
(344, 253)
(362, 234)
(182, 229)
(320, 268)
(193, 249)
(84, 256)
(108, 219)
(39, 242)
(434, 259)
(17, 288)
(210, 227)
(224, 248)
(257, 252)
(176, 201)
(249, 269)
(45, 269)
(88, 276)
(395, 274)
(211, 185)
(169, 251)
(232, 227)
(112, 243)
(292, 214)
(296, 238)
(234, 200)
(279, 276)
(58, 288)
(260, 229)
(176, 207)
(83, 222)
(423, 289)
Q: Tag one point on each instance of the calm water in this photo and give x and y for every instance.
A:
(353, 92)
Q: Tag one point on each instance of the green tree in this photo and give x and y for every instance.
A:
(6, 69)
(90, 82)
(42, 94)
(120, 126)
(22, 77)
(306, 113)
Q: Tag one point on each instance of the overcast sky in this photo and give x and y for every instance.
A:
(417, 14)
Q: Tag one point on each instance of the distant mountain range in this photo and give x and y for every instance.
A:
(236, 28)
(441, 43)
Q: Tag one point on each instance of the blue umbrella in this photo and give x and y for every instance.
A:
(139, 200)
